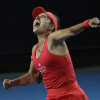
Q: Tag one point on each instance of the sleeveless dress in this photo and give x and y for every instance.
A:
(58, 75)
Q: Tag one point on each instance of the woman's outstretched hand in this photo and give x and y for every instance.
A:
(7, 83)
(94, 23)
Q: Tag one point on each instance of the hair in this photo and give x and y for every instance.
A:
(58, 21)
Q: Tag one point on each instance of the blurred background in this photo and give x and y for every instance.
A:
(17, 38)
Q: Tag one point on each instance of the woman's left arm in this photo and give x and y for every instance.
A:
(63, 34)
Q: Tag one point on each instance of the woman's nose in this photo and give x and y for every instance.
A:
(38, 18)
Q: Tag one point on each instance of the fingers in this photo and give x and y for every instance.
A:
(94, 23)
(6, 81)
(6, 84)
(95, 26)
(96, 20)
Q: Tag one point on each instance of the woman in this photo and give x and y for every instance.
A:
(51, 60)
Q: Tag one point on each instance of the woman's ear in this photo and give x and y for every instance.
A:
(51, 27)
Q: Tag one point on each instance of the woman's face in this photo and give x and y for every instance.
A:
(41, 23)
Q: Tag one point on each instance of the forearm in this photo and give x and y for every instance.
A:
(76, 29)
(63, 34)
(23, 80)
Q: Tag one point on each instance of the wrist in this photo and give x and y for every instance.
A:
(85, 24)
(12, 83)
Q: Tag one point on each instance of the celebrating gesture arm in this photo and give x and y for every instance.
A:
(63, 34)
(31, 76)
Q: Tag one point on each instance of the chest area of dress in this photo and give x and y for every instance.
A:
(47, 62)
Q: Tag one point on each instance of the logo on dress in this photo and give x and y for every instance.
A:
(39, 64)
(41, 68)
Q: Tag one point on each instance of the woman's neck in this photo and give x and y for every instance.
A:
(41, 38)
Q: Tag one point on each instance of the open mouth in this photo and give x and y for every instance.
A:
(37, 24)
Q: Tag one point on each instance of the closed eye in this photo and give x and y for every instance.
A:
(42, 16)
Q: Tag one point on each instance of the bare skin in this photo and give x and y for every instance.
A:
(56, 45)
(26, 79)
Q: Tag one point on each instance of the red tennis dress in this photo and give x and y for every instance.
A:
(58, 75)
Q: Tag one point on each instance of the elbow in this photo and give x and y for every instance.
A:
(31, 78)
(68, 33)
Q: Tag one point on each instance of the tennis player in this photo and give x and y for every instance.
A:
(50, 58)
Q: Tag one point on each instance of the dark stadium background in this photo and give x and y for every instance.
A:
(17, 38)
